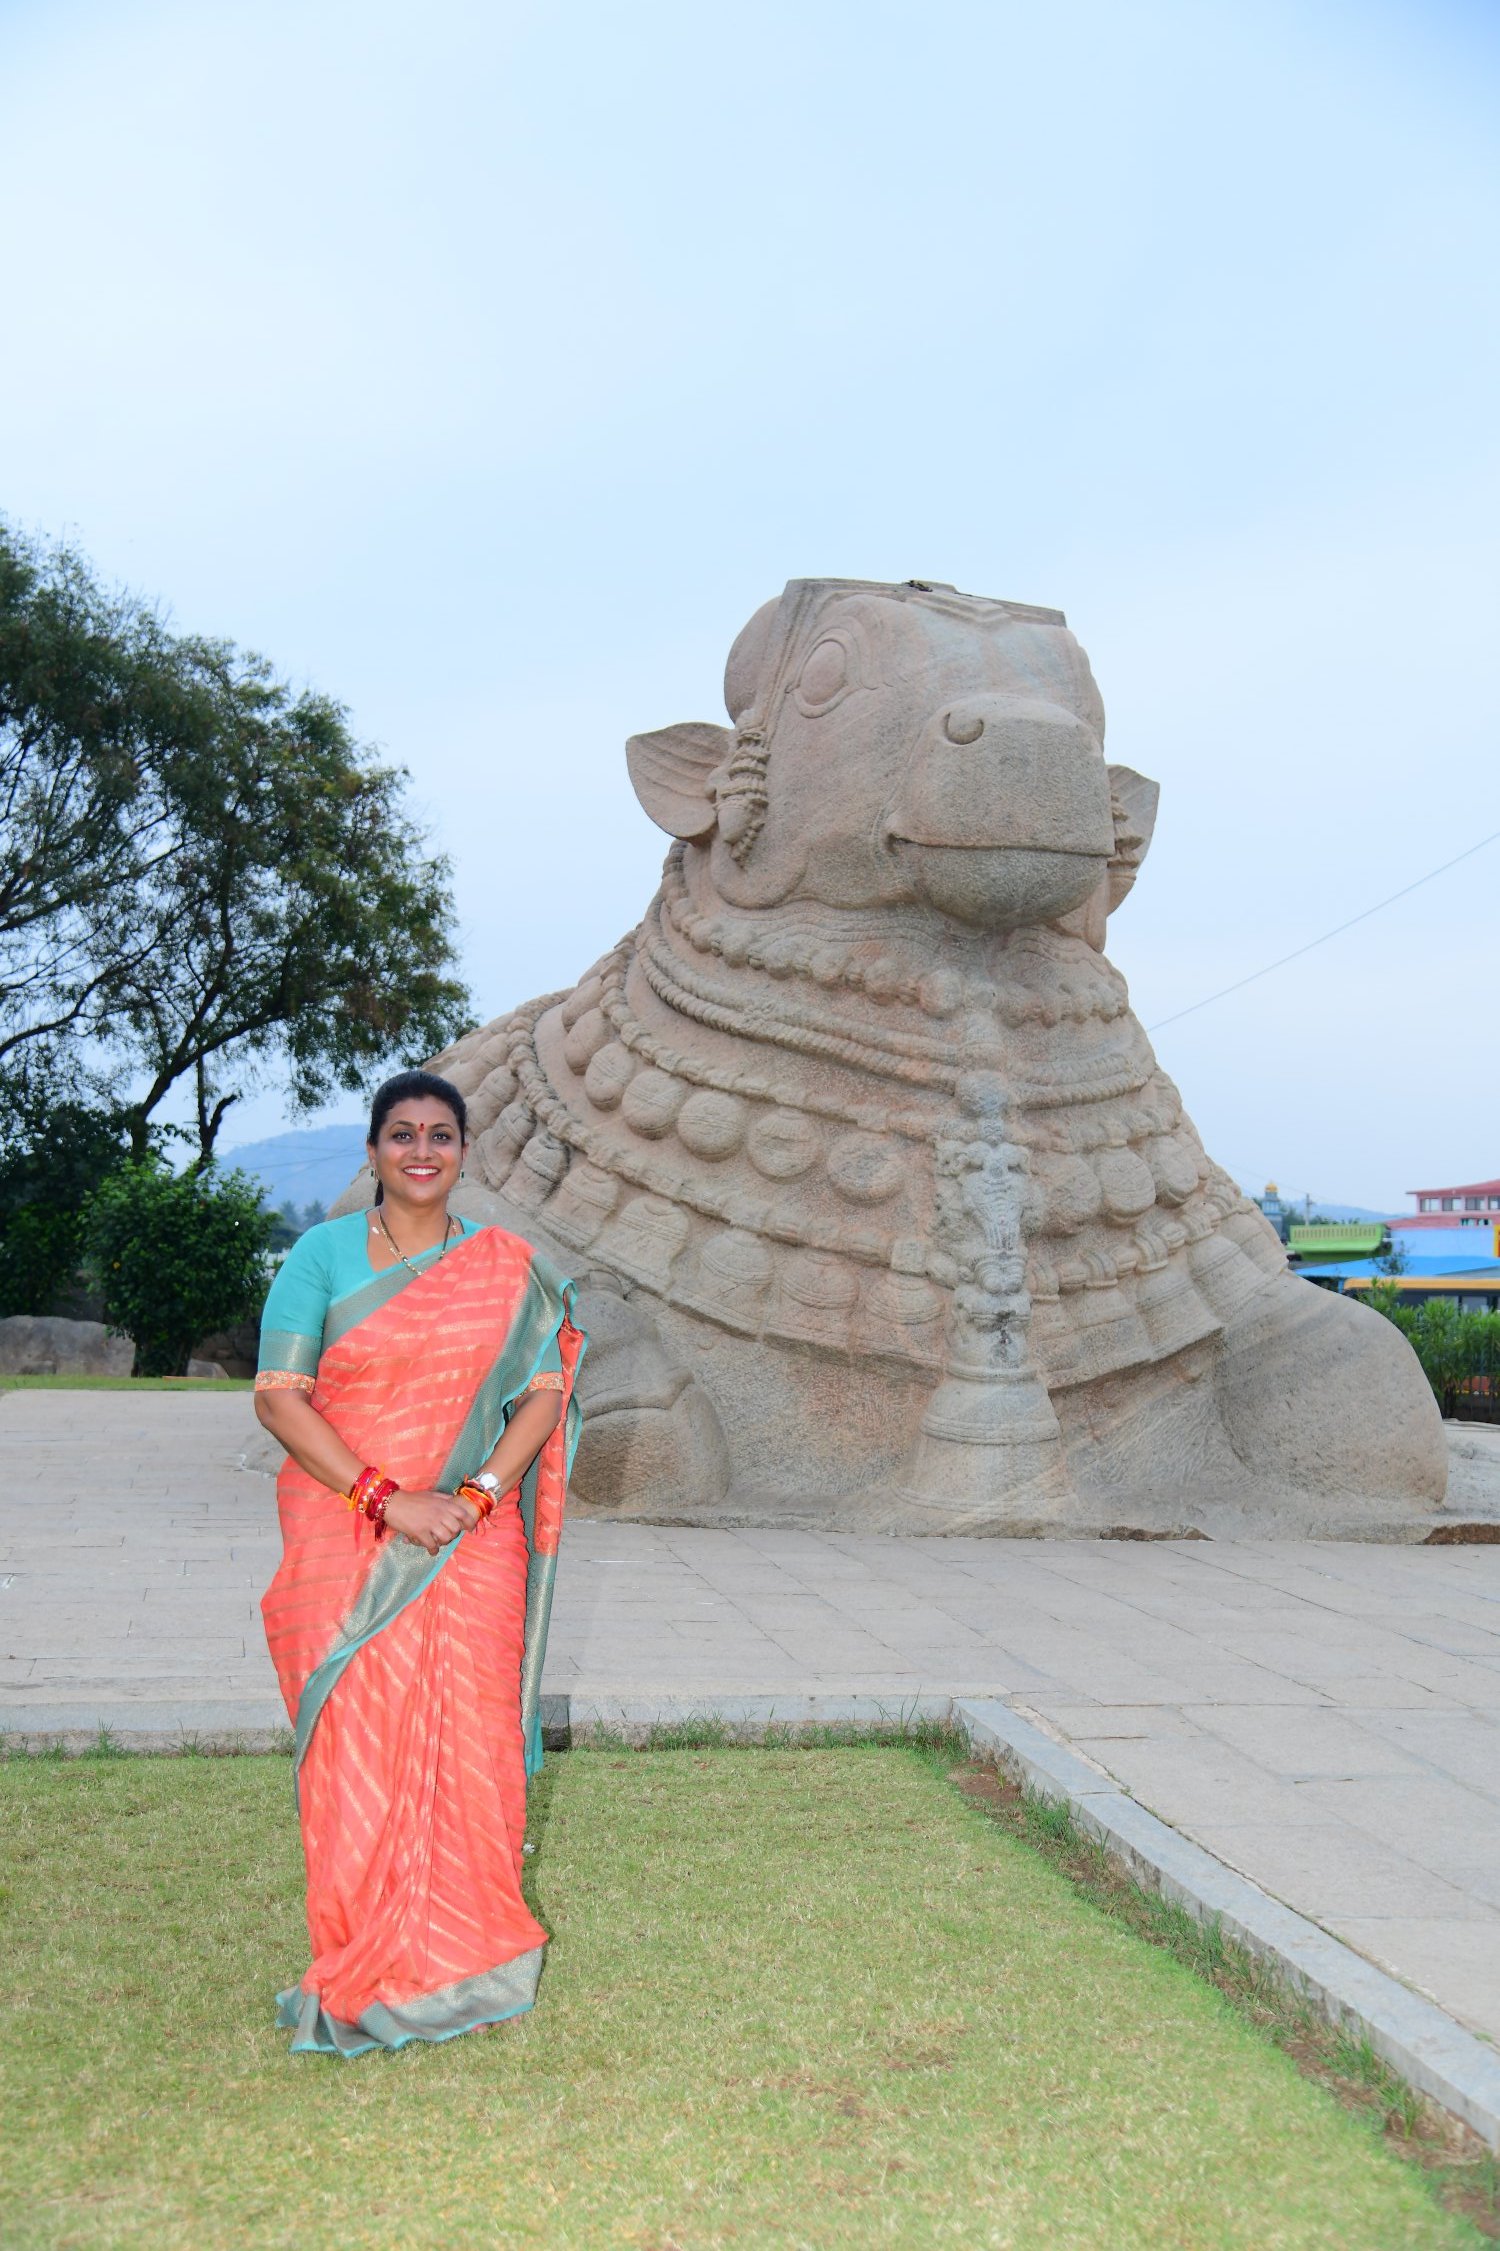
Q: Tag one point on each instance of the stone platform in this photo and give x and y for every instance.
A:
(1323, 1717)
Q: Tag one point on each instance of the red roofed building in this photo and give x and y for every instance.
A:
(1475, 1204)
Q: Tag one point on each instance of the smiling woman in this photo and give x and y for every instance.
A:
(419, 1372)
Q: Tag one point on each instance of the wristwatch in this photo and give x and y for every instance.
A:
(488, 1480)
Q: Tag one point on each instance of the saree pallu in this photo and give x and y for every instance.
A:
(413, 1682)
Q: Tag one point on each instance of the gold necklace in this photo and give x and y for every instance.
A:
(379, 1218)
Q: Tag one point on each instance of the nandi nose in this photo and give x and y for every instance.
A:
(1002, 815)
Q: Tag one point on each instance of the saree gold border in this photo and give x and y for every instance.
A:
(487, 1998)
(400, 1572)
(346, 1313)
(288, 1352)
(541, 1577)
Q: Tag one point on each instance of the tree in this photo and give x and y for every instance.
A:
(285, 1226)
(93, 696)
(54, 1150)
(201, 872)
(296, 921)
(175, 1256)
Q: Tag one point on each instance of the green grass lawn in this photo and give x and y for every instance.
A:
(795, 1998)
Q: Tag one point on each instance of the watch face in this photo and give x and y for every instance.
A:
(488, 1480)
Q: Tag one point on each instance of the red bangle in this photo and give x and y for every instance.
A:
(370, 1492)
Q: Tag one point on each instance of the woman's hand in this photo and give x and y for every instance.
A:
(430, 1520)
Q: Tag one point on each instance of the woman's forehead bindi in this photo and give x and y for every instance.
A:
(433, 1115)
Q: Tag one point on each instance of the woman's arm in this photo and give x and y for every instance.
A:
(531, 1424)
(431, 1519)
(314, 1445)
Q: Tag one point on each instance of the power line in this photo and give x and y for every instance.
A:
(1240, 983)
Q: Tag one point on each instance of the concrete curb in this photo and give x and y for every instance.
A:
(1417, 2039)
(225, 1728)
(748, 1719)
(200, 1723)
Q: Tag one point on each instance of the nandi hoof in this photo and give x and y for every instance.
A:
(1322, 1394)
(651, 1441)
(668, 1464)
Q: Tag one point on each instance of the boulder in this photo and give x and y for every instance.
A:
(34, 1344)
(233, 1351)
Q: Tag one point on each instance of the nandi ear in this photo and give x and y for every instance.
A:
(669, 770)
(1135, 801)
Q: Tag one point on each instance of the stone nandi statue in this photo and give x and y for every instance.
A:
(886, 1216)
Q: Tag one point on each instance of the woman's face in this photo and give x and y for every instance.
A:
(418, 1152)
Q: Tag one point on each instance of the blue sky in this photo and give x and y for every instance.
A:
(487, 365)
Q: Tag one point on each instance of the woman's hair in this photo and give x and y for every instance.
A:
(415, 1086)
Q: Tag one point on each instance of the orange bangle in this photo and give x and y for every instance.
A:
(477, 1495)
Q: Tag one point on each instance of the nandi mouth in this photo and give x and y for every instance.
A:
(1003, 814)
(997, 886)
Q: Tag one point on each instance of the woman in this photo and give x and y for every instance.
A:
(419, 1370)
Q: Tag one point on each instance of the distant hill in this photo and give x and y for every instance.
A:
(1346, 1211)
(310, 1165)
(1322, 1208)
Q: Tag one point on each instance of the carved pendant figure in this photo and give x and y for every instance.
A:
(888, 1217)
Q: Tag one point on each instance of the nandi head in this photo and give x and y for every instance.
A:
(904, 744)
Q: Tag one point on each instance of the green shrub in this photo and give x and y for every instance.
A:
(53, 1154)
(175, 1255)
(1455, 1347)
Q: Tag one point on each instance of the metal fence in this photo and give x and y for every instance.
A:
(1476, 1398)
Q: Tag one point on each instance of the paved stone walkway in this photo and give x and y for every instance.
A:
(1323, 1717)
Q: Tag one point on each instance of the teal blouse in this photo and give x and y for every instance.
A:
(326, 1264)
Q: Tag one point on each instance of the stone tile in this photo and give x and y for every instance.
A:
(1456, 1637)
(191, 1659)
(1299, 1744)
(65, 1625)
(1191, 1781)
(1445, 1827)
(787, 1609)
(1381, 1692)
(1328, 1868)
(728, 1648)
(1465, 1746)
(1227, 1680)
(1116, 1722)
(830, 1656)
(1317, 1662)
(637, 1613)
(1462, 1680)
(1454, 1962)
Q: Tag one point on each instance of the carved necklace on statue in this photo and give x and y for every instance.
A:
(379, 1218)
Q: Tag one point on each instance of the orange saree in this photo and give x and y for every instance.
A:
(413, 1682)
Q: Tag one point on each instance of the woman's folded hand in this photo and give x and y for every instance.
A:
(430, 1520)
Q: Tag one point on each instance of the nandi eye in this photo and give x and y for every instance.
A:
(827, 676)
